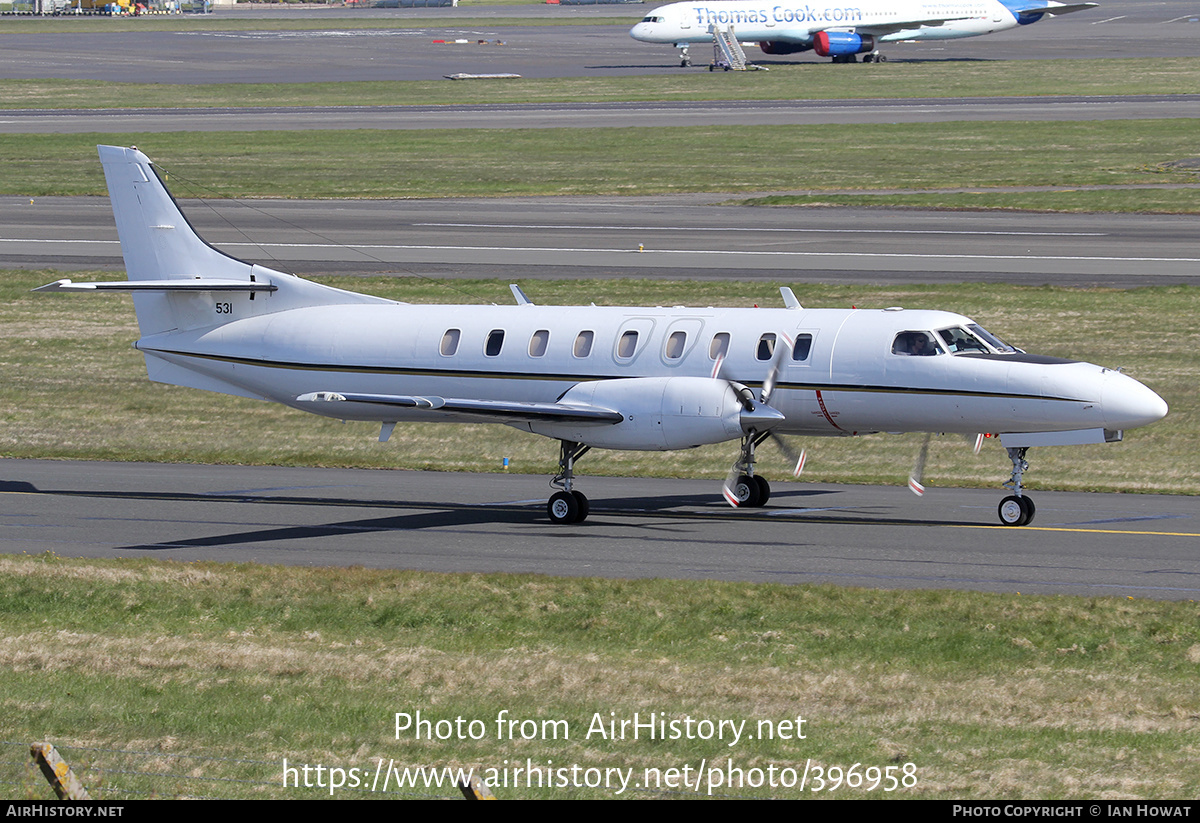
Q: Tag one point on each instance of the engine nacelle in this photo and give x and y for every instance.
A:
(661, 413)
(838, 43)
(781, 47)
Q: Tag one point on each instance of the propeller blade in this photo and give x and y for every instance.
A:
(782, 351)
(790, 453)
(978, 442)
(727, 486)
(716, 372)
(914, 479)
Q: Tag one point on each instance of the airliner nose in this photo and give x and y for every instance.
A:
(639, 31)
(1128, 404)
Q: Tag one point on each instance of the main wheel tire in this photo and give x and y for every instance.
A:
(1030, 510)
(764, 489)
(563, 508)
(584, 507)
(746, 491)
(1013, 511)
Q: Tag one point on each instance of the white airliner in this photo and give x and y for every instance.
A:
(841, 31)
(650, 379)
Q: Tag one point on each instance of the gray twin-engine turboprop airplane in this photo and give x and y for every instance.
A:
(650, 379)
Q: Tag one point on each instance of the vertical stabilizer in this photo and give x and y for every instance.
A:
(156, 239)
(186, 283)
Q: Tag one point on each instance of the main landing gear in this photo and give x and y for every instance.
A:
(743, 488)
(568, 505)
(1017, 509)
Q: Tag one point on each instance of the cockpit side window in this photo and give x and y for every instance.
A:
(915, 344)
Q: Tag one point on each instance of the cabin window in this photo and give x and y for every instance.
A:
(719, 347)
(627, 345)
(583, 343)
(495, 342)
(676, 344)
(766, 346)
(539, 342)
(802, 348)
(450, 342)
(915, 344)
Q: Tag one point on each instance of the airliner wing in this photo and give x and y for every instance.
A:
(492, 410)
(881, 29)
(1058, 8)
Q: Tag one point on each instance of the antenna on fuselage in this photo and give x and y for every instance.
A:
(789, 298)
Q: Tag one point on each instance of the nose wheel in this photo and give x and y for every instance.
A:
(1017, 509)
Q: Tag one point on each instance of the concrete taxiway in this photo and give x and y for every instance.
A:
(1089, 544)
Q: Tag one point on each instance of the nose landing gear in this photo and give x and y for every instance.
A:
(1017, 509)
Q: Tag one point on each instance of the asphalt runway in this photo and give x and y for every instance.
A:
(683, 237)
(603, 115)
(1120, 28)
(1141, 546)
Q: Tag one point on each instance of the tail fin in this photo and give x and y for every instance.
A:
(179, 281)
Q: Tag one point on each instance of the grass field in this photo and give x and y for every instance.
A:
(741, 159)
(213, 675)
(815, 80)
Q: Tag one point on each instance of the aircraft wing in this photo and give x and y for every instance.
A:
(881, 29)
(1058, 8)
(490, 410)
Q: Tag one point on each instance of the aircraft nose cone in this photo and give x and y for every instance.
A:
(1128, 404)
(639, 31)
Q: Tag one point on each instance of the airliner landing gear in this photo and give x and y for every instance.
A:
(874, 57)
(1017, 509)
(568, 505)
(685, 59)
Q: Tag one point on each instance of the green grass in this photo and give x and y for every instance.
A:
(489, 162)
(988, 695)
(805, 81)
(47, 342)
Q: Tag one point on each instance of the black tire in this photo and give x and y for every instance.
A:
(585, 508)
(563, 508)
(764, 489)
(1030, 510)
(746, 492)
(1012, 511)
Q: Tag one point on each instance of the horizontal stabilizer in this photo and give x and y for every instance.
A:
(198, 284)
(497, 410)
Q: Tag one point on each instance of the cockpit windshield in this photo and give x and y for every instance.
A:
(974, 338)
(992, 340)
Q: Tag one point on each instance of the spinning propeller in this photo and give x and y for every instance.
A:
(758, 418)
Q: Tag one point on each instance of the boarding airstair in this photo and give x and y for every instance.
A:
(727, 51)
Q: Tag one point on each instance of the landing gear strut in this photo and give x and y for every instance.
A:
(1017, 509)
(568, 505)
(685, 59)
(747, 489)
